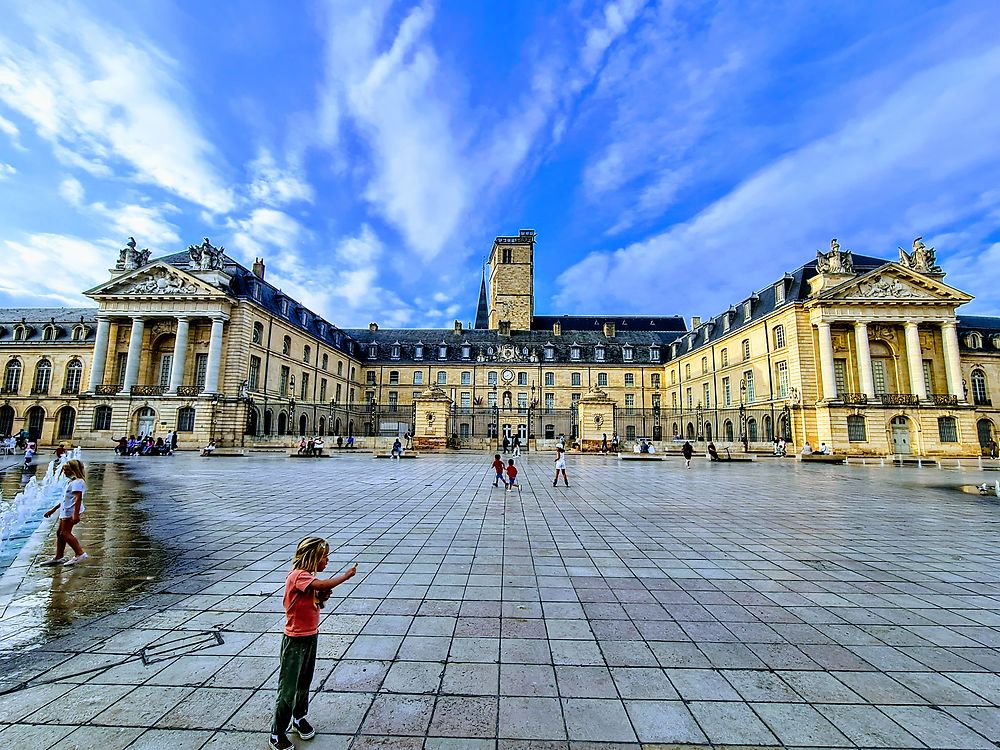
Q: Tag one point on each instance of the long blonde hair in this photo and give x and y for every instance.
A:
(309, 552)
(75, 469)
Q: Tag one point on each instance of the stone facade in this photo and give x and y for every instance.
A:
(865, 354)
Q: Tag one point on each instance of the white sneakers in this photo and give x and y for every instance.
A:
(75, 560)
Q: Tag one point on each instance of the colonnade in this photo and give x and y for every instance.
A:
(914, 359)
(136, 338)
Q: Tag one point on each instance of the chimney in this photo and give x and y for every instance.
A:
(557, 329)
(505, 328)
(695, 321)
(458, 326)
(258, 268)
(609, 330)
(373, 326)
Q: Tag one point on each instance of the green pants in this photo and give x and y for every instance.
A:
(298, 660)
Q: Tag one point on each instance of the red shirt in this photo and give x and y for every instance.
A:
(301, 610)
(512, 472)
(498, 465)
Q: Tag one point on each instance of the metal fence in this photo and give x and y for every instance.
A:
(759, 424)
(632, 423)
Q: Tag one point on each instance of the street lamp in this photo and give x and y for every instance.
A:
(698, 426)
(786, 422)
(291, 414)
(248, 403)
(496, 417)
(531, 411)
(215, 403)
(743, 412)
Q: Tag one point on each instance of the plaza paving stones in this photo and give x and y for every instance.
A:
(758, 605)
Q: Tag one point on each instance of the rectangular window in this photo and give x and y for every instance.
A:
(782, 368)
(746, 349)
(393, 400)
(928, 377)
(322, 390)
(656, 401)
(947, 429)
(370, 377)
(165, 362)
(394, 377)
(654, 354)
(840, 376)
(418, 377)
(418, 351)
(654, 380)
(779, 293)
(550, 401)
(122, 365)
(630, 380)
(574, 379)
(627, 354)
(253, 377)
(442, 378)
(304, 387)
(466, 401)
(550, 379)
(602, 380)
(491, 378)
(491, 399)
(673, 402)
(337, 393)
(574, 352)
(687, 372)
(707, 393)
(746, 311)
(751, 391)
(878, 375)
(466, 378)
(522, 401)
(690, 399)
(725, 358)
(283, 382)
(200, 370)
(522, 378)
(856, 431)
(629, 403)
(574, 399)
(727, 396)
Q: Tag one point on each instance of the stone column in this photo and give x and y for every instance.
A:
(826, 361)
(952, 360)
(214, 357)
(134, 354)
(180, 354)
(596, 412)
(915, 361)
(865, 376)
(432, 408)
(100, 354)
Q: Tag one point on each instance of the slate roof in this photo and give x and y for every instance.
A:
(37, 318)
(668, 323)
(987, 326)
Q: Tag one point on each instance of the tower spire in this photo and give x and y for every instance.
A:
(483, 310)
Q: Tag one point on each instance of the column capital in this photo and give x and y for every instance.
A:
(949, 324)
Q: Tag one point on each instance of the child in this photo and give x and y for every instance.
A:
(69, 509)
(512, 476)
(560, 466)
(304, 595)
(498, 468)
(29, 453)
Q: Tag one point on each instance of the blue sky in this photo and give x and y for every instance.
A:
(672, 156)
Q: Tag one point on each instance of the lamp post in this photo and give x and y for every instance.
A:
(698, 427)
(291, 414)
(215, 403)
(248, 404)
(743, 412)
(786, 423)
(496, 417)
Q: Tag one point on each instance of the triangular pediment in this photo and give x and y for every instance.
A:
(155, 280)
(894, 283)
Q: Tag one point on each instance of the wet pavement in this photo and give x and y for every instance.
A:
(755, 605)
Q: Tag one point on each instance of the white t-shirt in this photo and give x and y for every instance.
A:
(69, 499)
(561, 461)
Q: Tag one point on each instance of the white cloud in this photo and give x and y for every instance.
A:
(103, 98)
(10, 130)
(276, 186)
(6, 170)
(71, 190)
(146, 223)
(67, 265)
(930, 144)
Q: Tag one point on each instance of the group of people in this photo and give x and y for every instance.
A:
(823, 450)
(612, 446)
(512, 444)
(146, 445)
(312, 446)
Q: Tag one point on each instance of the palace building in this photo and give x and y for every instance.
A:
(868, 355)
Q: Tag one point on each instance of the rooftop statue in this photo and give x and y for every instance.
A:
(921, 258)
(206, 257)
(130, 258)
(834, 260)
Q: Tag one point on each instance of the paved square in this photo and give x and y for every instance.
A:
(760, 604)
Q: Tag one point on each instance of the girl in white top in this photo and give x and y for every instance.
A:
(70, 508)
(560, 466)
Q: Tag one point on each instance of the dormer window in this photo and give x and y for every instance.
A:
(599, 353)
(20, 333)
(627, 353)
(442, 351)
(466, 351)
(372, 351)
(779, 293)
(974, 340)
(654, 354)
(255, 291)
(304, 318)
(284, 307)
(726, 321)
(49, 333)
(550, 352)
(574, 352)
(79, 333)
(746, 310)
(395, 351)
(418, 351)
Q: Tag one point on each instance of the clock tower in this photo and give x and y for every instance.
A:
(512, 290)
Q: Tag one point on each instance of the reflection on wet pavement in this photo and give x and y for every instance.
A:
(123, 561)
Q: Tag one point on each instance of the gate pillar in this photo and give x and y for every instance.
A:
(596, 412)
(432, 410)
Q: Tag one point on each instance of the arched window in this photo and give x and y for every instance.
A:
(102, 418)
(185, 419)
(43, 377)
(947, 430)
(974, 340)
(20, 333)
(708, 430)
(306, 353)
(746, 349)
(768, 428)
(322, 426)
(49, 333)
(325, 361)
(66, 423)
(727, 429)
(79, 333)
(253, 421)
(268, 421)
(418, 377)
(74, 374)
(704, 365)
(12, 376)
(690, 431)
(6, 420)
(779, 337)
(286, 345)
(442, 377)
(980, 391)
(36, 421)
(258, 333)
(303, 425)
(856, 430)
(752, 434)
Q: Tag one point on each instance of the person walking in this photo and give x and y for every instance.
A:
(604, 442)
(560, 466)
(506, 443)
(70, 509)
(688, 450)
(517, 447)
(305, 594)
(512, 476)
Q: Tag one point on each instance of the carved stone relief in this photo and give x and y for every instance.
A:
(886, 287)
(159, 281)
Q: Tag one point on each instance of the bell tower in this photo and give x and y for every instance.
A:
(512, 289)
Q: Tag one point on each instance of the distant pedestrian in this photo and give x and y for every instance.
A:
(305, 594)
(70, 509)
(499, 469)
(688, 450)
(517, 447)
(560, 466)
(614, 442)
(506, 443)
(29, 453)
(512, 476)
(604, 443)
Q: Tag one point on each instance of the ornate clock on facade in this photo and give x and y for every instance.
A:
(507, 376)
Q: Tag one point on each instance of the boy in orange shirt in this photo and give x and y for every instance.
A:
(498, 468)
(305, 594)
(512, 476)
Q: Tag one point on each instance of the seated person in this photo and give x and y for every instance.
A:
(650, 448)
(350, 441)
(318, 446)
(207, 450)
(302, 446)
(637, 448)
(310, 447)
(397, 449)
(713, 454)
(825, 449)
(807, 450)
(643, 446)
(160, 449)
(340, 442)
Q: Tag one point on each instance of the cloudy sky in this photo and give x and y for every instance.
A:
(672, 156)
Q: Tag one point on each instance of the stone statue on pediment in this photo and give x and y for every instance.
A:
(834, 260)
(206, 257)
(130, 258)
(921, 258)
